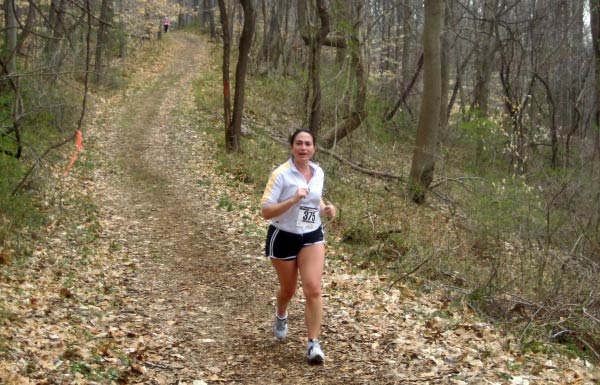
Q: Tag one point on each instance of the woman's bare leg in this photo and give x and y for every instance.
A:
(311, 260)
(287, 273)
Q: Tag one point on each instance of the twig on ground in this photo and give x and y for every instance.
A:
(529, 322)
(409, 273)
(589, 346)
(585, 312)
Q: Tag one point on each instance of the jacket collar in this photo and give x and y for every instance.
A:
(311, 164)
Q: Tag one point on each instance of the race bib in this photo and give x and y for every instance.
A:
(307, 217)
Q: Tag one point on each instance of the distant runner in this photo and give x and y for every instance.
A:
(166, 23)
(295, 241)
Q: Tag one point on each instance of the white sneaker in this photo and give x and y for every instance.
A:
(314, 354)
(280, 327)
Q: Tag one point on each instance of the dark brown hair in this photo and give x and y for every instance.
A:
(299, 130)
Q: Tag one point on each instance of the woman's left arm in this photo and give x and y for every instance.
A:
(327, 209)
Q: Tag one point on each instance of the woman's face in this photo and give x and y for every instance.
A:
(303, 147)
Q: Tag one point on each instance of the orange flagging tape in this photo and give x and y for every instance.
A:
(79, 137)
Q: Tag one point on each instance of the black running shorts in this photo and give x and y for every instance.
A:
(283, 245)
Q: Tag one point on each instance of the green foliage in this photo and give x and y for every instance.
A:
(508, 206)
(23, 210)
(52, 109)
(225, 203)
(16, 211)
(283, 90)
(81, 367)
(6, 103)
(358, 233)
(482, 137)
(94, 372)
(398, 131)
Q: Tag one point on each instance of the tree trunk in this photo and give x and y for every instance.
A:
(344, 12)
(226, 58)
(265, 39)
(10, 18)
(314, 39)
(595, 24)
(274, 38)
(553, 128)
(101, 41)
(485, 57)
(9, 66)
(122, 36)
(211, 18)
(406, 69)
(29, 26)
(204, 18)
(445, 64)
(287, 49)
(232, 13)
(56, 16)
(423, 161)
(232, 137)
(314, 74)
(358, 112)
(385, 55)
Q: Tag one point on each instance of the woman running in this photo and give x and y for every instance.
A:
(295, 240)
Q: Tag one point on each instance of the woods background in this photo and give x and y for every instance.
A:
(460, 138)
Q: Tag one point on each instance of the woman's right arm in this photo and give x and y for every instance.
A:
(276, 209)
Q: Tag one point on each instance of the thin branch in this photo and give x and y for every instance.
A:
(409, 273)
(406, 92)
(529, 322)
(84, 102)
(38, 160)
(374, 173)
(589, 346)
(457, 180)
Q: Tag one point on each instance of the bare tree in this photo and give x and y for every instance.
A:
(445, 79)
(226, 58)
(314, 38)
(272, 49)
(233, 133)
(358, 111)
(487, 46)
(423, 160)
(407, 39)
(9, 68)
(595, 24)
(209, 15)
(101, 40)
(57, 24)
(11, 37)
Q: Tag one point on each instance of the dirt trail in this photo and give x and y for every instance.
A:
(199, 294)
(207, 309)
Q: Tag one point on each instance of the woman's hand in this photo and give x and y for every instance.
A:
(277, 209)
(301, 193)
(328, 210)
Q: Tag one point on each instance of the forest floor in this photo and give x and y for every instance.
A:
(171, 289)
